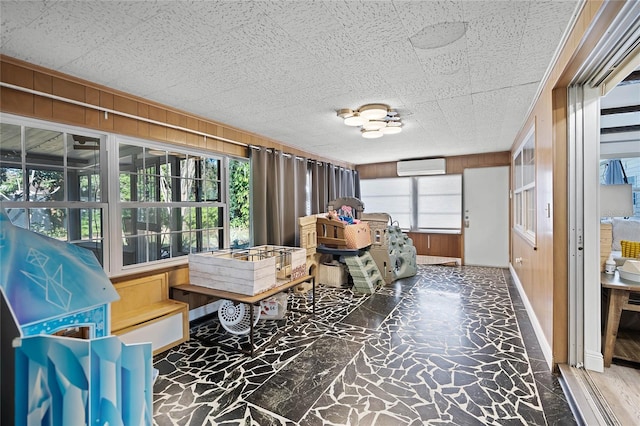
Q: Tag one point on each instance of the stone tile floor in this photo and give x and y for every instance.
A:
(450, 346)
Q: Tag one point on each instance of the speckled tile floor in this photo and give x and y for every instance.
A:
(450, 346)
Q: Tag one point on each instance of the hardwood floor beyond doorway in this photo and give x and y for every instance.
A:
(608, 398)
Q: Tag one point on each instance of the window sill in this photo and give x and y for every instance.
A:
(527, 237)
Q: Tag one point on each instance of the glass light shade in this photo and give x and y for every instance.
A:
(371, 134)
(374, 125)
(391, 130)
(373, 111)
(355, 120)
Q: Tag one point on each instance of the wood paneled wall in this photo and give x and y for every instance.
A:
(542, 269)
(33, 77)
(454, 164)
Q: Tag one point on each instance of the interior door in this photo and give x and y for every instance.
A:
(485, 197)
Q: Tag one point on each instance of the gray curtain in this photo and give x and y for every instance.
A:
(278, 196)
(343, 183)
(319, 187)
(279, 193)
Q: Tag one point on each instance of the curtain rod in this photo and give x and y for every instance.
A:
(135, 117)
(115, 112)
(309, 160)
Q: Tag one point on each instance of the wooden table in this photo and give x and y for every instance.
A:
(253, 300)
(619, 292)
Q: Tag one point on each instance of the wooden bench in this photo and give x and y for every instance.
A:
(145, 313)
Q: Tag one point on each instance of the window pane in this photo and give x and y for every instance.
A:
(51, 222)
(188, 168)
(211, 240)
(11, 184)
(85, 230)
(440, 202)
(18, 217)
(392, 196)
(211, 218)
(46, 184)
(188, 190)
(10, 143)
(44, 146)
(517, 211)
(239, 204)
(128, 158)
(528, 162)
(530, 206)
(518, 170)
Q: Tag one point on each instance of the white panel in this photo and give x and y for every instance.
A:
(392, 196)
(439, 202)
(159, 334)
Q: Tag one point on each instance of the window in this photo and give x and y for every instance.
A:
(416, 203)
(50, 183)
(524, 192)
(164, 201)
(239, 179)
(169, 203)
(629, 167)
(393, 196)
(439, 202)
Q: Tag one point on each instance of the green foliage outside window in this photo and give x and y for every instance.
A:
(239, 203)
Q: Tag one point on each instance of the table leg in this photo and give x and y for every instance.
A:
(617, 299)
(251, 307)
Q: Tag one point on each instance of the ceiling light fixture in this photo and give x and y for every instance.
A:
(371, 134)
(375, 120)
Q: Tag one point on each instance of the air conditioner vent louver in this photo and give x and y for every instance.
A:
(432, 166)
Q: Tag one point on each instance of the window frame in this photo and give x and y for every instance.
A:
(109, 204)
(524, 188)
(117, 207)
(414, 201)
(78, 206)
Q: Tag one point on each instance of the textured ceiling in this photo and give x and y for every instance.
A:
(282, 69)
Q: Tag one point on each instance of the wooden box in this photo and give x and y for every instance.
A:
(250, 271)
(332, 274)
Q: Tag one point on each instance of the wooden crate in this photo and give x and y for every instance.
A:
(250, 271)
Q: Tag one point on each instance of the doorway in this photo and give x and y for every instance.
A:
(486, 216)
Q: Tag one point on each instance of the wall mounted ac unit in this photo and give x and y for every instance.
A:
(432, 166)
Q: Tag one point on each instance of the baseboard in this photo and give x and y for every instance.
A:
(544, 345)
(594, 361)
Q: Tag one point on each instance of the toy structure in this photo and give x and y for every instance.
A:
(386, 254)
(47, 286)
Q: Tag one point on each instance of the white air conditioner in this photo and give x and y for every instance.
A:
(432, 166)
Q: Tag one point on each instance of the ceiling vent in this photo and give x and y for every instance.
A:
(432, 166)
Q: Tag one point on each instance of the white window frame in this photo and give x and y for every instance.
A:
(524, 189)
(110, 204)
(390, 198)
